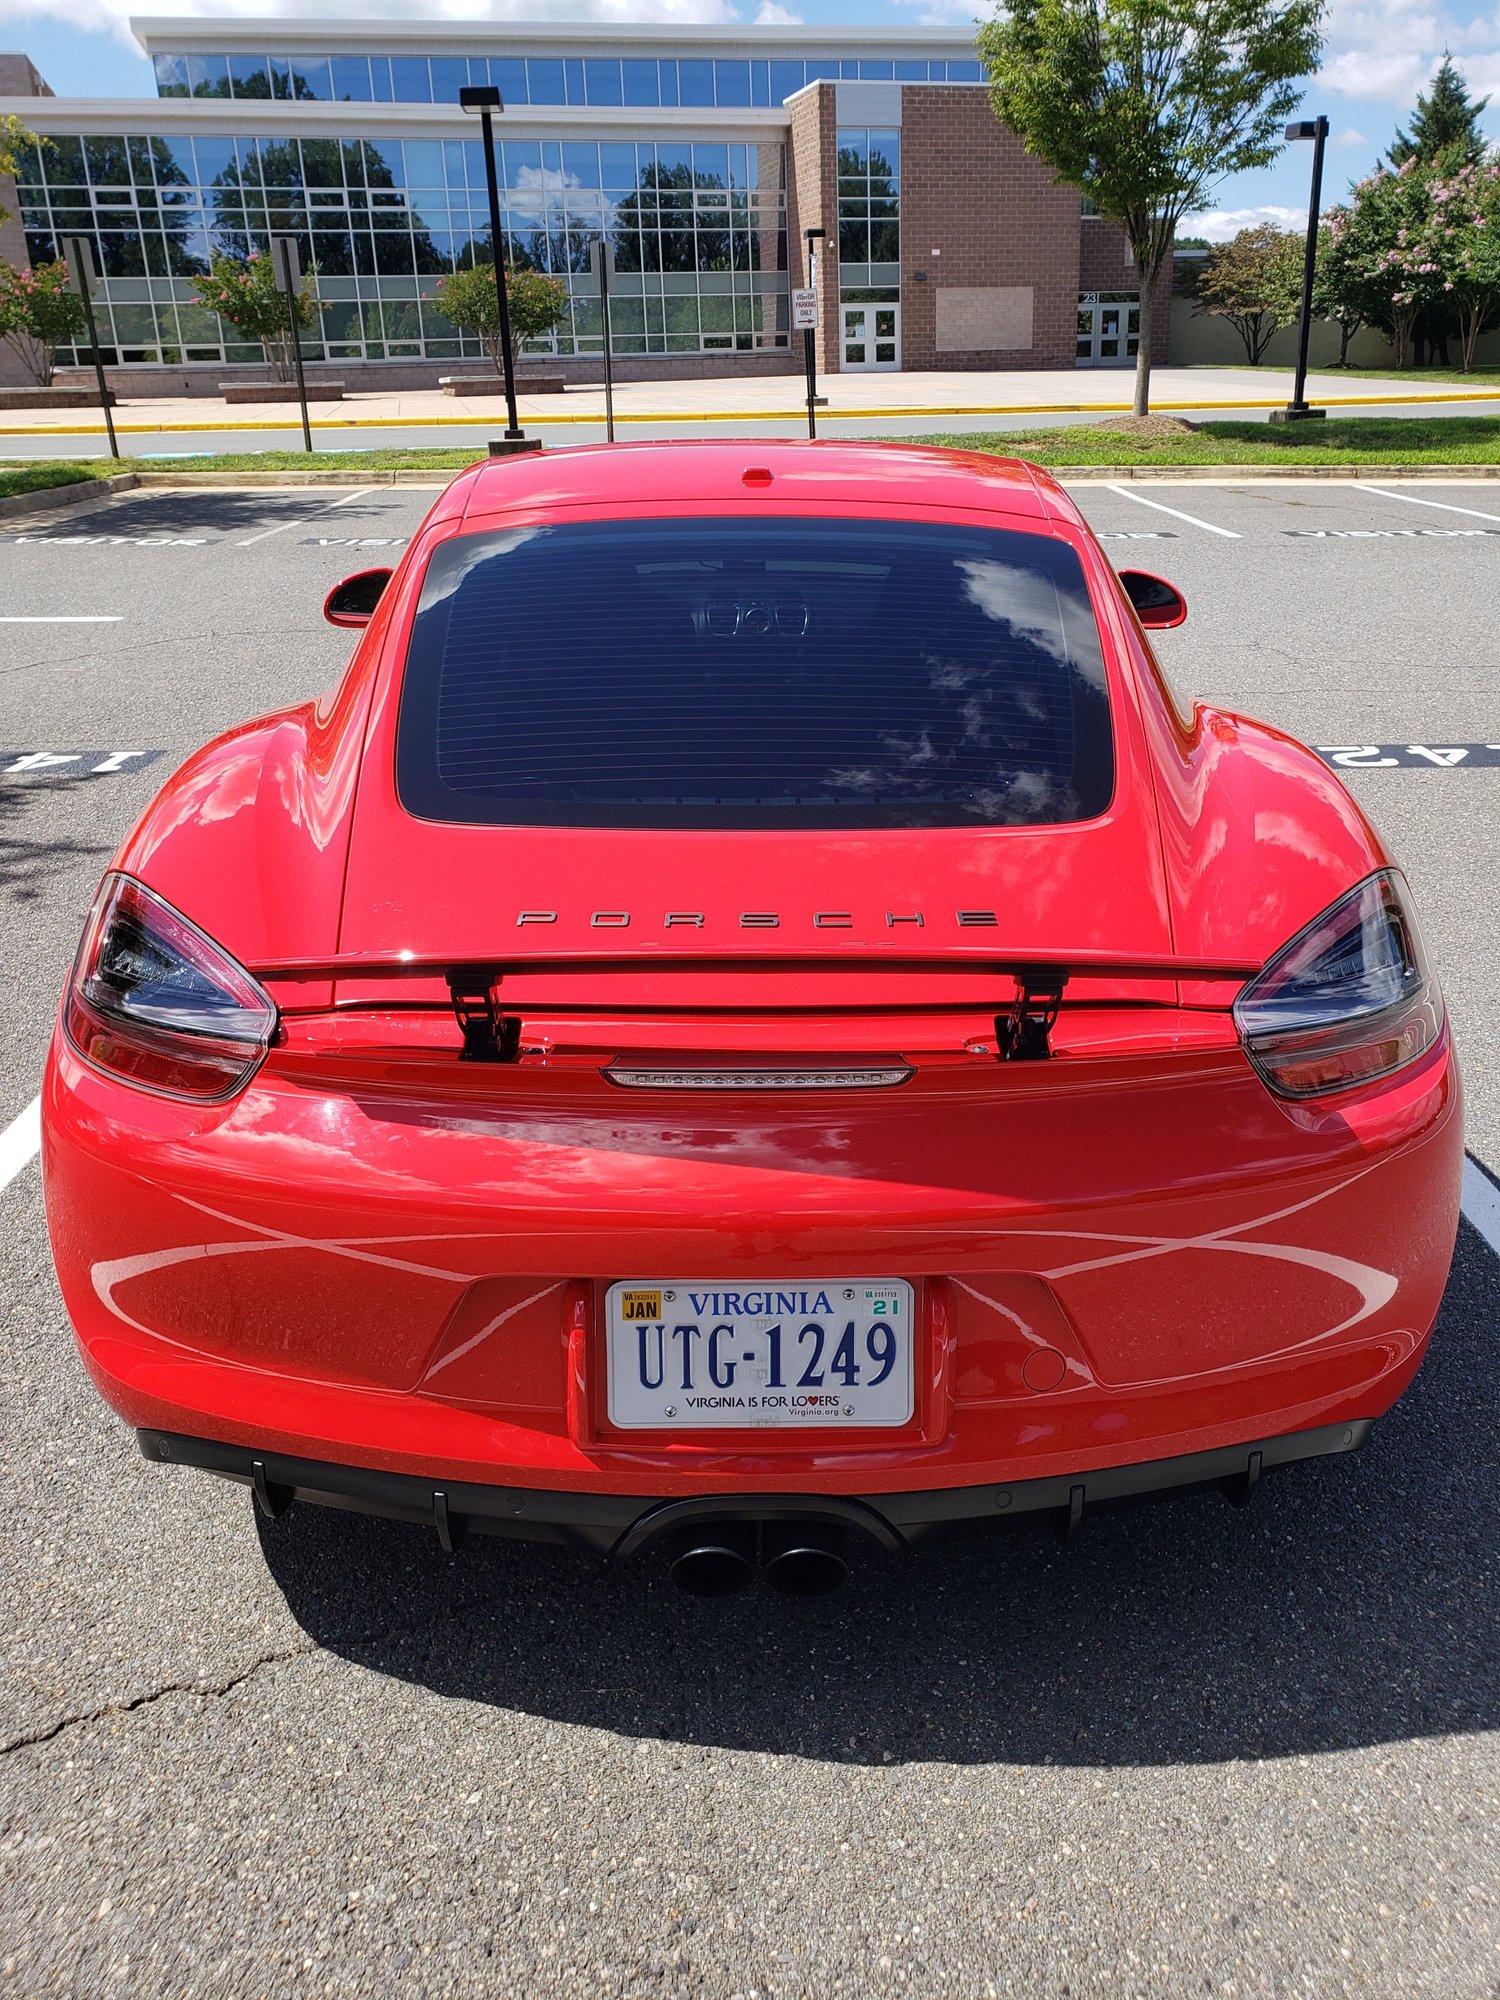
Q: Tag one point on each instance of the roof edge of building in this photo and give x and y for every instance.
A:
(187, 34)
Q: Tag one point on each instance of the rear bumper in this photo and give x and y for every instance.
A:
(621, 1525)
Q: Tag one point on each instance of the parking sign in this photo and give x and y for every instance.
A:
(804, 309)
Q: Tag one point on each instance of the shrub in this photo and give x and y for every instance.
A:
(38, 314)
(244, 292)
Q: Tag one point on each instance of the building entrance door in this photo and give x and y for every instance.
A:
(1109, 329)
(872, 336)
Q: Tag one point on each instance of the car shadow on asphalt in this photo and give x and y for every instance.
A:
(206, 511)
(1354, 1602)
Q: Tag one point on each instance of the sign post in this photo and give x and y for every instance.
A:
(289, 277)
(602, 262)
(82, 278)
(805, 315)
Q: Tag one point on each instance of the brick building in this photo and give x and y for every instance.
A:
(703, 154)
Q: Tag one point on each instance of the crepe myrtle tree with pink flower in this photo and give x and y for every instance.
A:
(1394, 241)
(1464, 234)
(470, 301)
(38, 314)
(245, 292)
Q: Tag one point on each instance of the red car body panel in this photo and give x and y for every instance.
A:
(377, 1256)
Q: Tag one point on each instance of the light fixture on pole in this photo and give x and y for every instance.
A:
(1296, 410)
(486, 100)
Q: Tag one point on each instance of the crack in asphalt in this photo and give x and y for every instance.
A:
(205, 1691)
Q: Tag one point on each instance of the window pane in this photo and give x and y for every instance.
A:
(312, 76)
(208, 76)
(602, 80)
(351, 79)
(410, 82)
(786, 79)
(380, 79)
(251, 76)
(449, 75)
(640, 83)
(508, 74)
(171, 76)
(695, 82)
(546, 80)
(732, 83)
(743, 672)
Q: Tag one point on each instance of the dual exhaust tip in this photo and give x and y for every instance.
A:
(796, 1558)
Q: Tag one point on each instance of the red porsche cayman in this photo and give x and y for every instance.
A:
(751, 1018)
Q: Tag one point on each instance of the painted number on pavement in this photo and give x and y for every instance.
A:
(74, 763)
(1408, 756)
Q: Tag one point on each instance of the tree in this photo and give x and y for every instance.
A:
(1389, 240)
(1464, 241)
(1338, 294)
(1245, 282)
(1146, 105)
(15, 139)
(1445, 124)
(38, 314)
(470, 301)
(245, 292)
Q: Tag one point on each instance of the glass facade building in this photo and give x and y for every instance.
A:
(674, 147)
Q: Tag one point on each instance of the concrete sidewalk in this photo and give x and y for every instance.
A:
(963, 396)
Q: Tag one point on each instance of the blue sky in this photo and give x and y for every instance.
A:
(1379, 54)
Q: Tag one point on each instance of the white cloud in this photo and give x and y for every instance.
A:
(1349, 137)
(773, 15)
(112, 16)
(1385, 51)
(945, 13)
(1221, 223)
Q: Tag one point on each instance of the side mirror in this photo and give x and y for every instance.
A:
(353, 601)
(1158, 604)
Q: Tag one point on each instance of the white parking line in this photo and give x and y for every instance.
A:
(62, 621)
(21, 1141)
(1481, 1204)
(1176, 513)
(302, 519)
(1414, 500)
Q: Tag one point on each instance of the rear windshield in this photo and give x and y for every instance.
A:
(745, 672)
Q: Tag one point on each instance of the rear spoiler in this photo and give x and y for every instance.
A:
(492, 1034)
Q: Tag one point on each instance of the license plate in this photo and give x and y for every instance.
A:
(692, 1354)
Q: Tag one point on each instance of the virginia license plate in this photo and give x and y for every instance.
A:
(692, 1354)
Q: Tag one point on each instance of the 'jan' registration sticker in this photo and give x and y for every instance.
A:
(640, 1305)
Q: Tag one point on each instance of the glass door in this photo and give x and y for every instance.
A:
(872, 336)
(1109, 329)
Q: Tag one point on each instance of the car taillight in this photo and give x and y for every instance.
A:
(156, 1002)
(1349, 1000)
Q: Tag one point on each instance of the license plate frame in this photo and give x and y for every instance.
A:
(659, 1332)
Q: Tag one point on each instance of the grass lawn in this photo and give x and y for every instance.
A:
(34, 476)
(1334, 441)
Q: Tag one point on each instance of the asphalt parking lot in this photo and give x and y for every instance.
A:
(1200, 1751)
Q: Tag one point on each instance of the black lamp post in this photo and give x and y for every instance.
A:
(486, 100)
(1315, 129)
(809, 336)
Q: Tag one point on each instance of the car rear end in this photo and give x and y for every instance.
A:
(758, 1080)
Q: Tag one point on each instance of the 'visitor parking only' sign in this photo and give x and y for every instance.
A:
(804, 309)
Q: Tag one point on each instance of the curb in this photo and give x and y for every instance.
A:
(1224, 473)
(436, 477)
(74, 494)
(1431, 399)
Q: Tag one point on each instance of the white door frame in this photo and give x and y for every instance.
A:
(1108, 329)
(875, 330)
